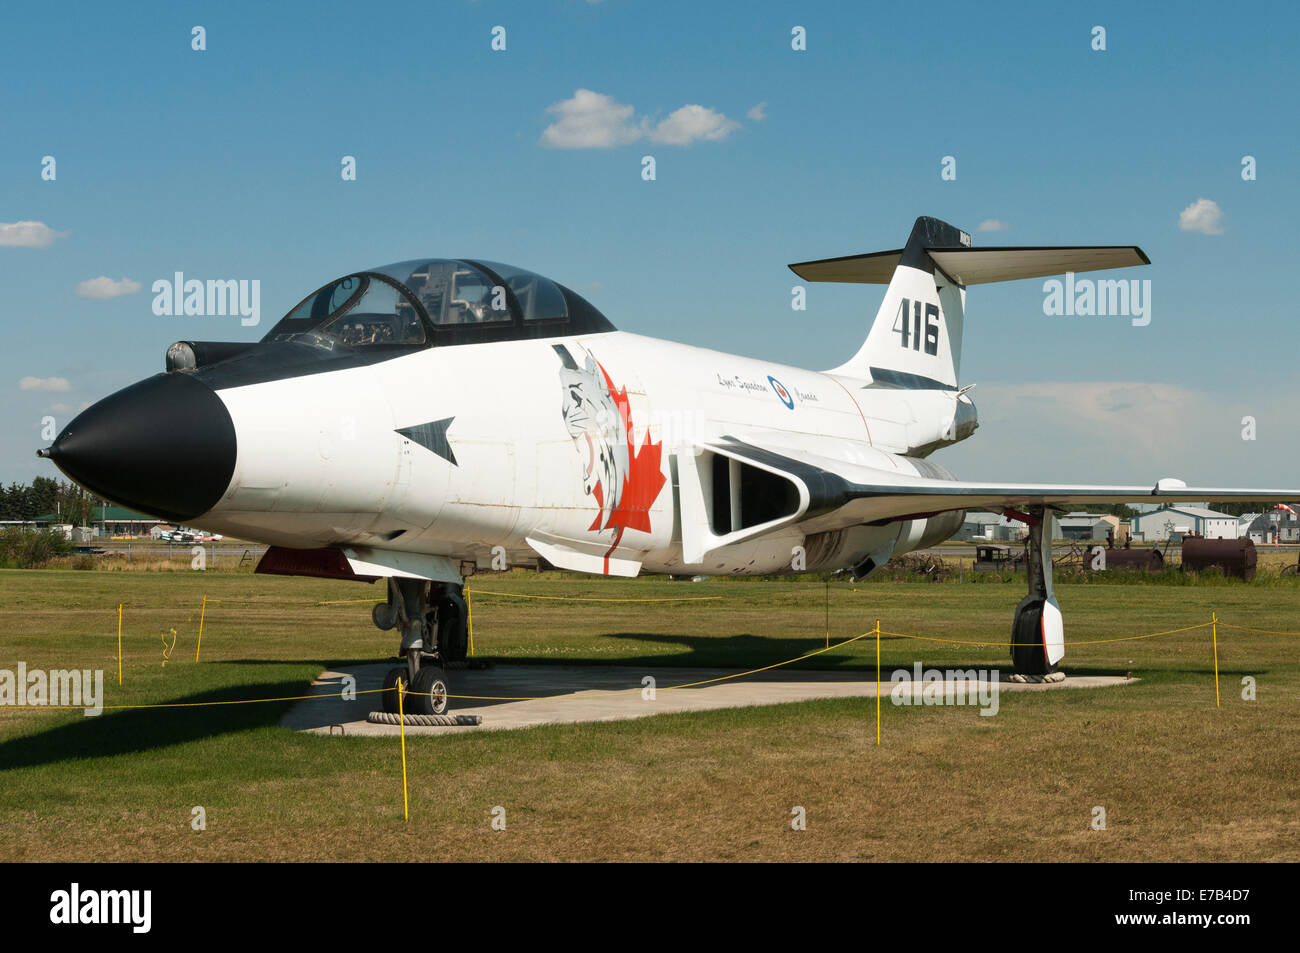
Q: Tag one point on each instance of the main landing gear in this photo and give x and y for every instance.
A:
(434, 625)
(1037, 634)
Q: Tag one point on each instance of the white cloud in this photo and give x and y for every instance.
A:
(758, 113)
(1202, 216)
(992, 225)
(591, 120)
(28, 235)
(104, 287)
(683, 126)
(44, 383)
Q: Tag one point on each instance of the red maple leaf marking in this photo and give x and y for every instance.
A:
(598, 492)
(644, 478)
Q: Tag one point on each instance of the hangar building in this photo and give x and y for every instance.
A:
(1178, 521)
(1090, 526)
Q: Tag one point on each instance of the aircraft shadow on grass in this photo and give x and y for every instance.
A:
(740, 652)
(745, 651)
(139, 730)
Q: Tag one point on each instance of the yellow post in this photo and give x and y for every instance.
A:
(877, 682)
(828, 613)
(469, 621)
(119, 643)
(401, 720)
(202, 612)
(1214, 635)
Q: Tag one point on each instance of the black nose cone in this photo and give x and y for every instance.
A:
(164, 446)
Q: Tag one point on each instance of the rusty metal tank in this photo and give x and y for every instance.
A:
(1236, 557)
(1127, 560)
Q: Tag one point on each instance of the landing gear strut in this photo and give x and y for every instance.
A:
(1037, 634)
(433, 622)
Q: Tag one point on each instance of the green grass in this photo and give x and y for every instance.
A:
(1180, 778)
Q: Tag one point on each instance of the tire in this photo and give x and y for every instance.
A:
(1027, 654)
(388, 697)
(383, 616)
(453, 629)
(428, 692)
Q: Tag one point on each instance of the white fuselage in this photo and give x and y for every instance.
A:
(578, 451)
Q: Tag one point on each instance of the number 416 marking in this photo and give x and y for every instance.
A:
(911, 330)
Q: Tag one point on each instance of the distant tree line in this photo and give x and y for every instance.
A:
(1239, 509)
(70, 502)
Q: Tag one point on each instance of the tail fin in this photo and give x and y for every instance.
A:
(915, 341)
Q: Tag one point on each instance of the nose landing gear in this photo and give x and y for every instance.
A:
(433, 622)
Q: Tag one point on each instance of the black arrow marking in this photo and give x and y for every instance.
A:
(433, 436)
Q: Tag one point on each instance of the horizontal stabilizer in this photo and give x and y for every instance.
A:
(874, 269)
(977, 266)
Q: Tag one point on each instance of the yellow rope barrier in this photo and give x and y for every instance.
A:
(1246, 628)
(1127, 638)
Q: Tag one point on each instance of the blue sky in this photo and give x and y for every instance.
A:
(225, 164)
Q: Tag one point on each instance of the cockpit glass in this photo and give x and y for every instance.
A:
(379, 315)
(356, 311)
(455, 292)
(539, 298)
(328, 300)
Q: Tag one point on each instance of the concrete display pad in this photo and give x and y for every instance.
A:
(561, 694)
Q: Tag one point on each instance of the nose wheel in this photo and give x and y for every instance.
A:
(433, 623)
(428, 692)
(425, 694)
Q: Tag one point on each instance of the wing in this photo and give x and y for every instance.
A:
(825, 494)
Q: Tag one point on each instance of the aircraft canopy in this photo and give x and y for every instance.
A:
(425, 302)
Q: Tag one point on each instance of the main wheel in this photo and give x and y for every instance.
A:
(388, 697)
(428, 692)
(383, 616)
(453, 629)
(1028, 655)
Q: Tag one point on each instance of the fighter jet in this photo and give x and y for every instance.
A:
(421, 421)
